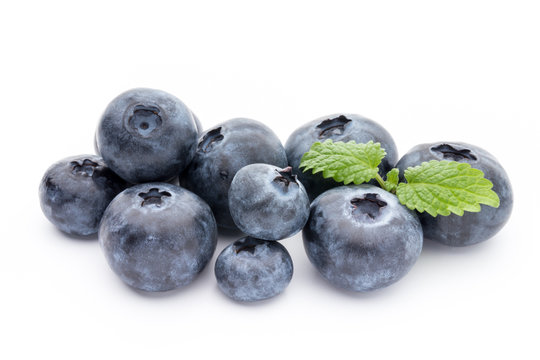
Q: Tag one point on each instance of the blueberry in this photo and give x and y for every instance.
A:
(361, 238)
(146, 135)
(338, 127)
(252, 269)
(75, 191)
(267, 202)
(471, 228)
(221, 152)
(157, 236)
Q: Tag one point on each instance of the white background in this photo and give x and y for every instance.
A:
(425, 70)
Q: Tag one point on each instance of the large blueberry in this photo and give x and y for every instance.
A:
(221, 152)
(252, 269)
(267, 202)
(157, 236)
(471, 228)
(74, 193)
(146, 135)
(361, 238)
(338, 127)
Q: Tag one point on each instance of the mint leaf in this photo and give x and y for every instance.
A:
(344, 162)
(444, 187)
(392, 178)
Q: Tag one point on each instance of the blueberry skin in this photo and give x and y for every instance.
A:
(267, 202)
(146, 135)
(157, 236)
(471, 228)
(338, 127)
(221, 152)
(75, 191)
(361, 238)
(253, 269)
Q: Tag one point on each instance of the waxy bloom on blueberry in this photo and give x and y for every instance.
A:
(253, 269)
(267, 202)
(74, 193)
(158, 236)
(337, 127)
(472, 227)
(147, 135)
(360, 238)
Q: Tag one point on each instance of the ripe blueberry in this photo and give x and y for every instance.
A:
(252, 269)
(267, 202)
(471, 228)
(157, 236)
(146, 135)
(361, 238)
(338, 127)
(75, 191)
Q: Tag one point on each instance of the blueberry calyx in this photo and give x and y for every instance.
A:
(145, 119)
(85, 167)
(369, 205)
(248, 244)
(335, 126)
(450, 152)
(213, 136)
(153, 197)
(286, 176)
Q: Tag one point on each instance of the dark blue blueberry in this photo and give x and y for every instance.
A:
(75, 191)
(338, 127)
(267, 202)
(157, 236)
(221, 152)
(471, 228)
(361, 238)
(252, 269)
(146, 135)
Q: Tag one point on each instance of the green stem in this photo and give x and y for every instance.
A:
(380, 181)
(383, 184)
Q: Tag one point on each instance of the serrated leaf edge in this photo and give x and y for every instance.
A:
(455, 209)
(357, 177)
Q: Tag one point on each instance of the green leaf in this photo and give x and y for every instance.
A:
(444, 187)
(344, 162)
(392, 178)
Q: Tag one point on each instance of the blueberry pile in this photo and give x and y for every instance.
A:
(160, 190)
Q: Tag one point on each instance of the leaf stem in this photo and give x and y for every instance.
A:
(381, 181)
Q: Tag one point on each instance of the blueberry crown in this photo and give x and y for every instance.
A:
(335, 126)
(85, 167)
(153, 197)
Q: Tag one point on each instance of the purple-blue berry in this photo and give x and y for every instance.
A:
(267, 202)
(472, 227)
(147, 135)
(158, 236)
(253, 269)
(361, 238)
(74, 193)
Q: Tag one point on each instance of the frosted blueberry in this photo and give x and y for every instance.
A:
(361, 238)
(74, 193)
(252, 269)
(472, 227)
(147, 135)
(267, 202)
(338, 127)
(157, 236)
